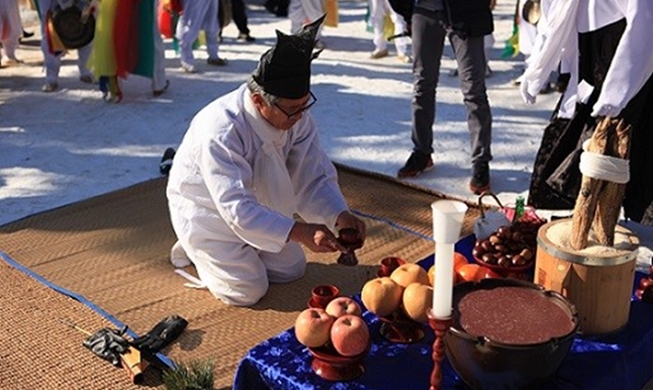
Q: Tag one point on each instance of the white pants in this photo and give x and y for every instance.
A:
(10, 24)
(301, 12)
(51, 61)
(235, 272)
(198, 15)
(378, 10)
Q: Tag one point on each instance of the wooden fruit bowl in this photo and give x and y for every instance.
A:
(330, 365)
(399, 328)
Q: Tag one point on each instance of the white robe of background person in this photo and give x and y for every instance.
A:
(378, 10)
(630, 67)
(198, 15)
(301, 12)
(236, 243)
(51, 61)
(11, 28)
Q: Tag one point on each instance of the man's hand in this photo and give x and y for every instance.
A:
(349, 220)
(318, 238)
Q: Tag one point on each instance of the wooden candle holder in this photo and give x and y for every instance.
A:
(440, 327)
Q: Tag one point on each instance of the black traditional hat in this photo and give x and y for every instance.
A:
(74, 29)
(285, 69)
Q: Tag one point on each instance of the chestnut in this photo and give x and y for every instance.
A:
(518, 261)
(500, 248)
(504, 232)
(489, 258)
(503, 261)
(526, 254)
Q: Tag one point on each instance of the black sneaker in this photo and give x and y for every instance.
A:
(480, 178)
(416, 164)
(166, 161)
(245, 37)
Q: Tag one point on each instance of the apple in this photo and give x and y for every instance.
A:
(381, 296)
(313, 327)
(350, 335)
(417, 299)
(409, 273)
(341, 306)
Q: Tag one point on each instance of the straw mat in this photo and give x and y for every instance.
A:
(113, 250)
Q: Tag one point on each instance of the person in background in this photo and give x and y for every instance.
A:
(277, 7)
(128, 42)
(379, 9)
(301, 12)
(11, 29)
(250, 182)
(239, 15)
(52, 56)
(613, 78)
(465, 23)
(198, 15)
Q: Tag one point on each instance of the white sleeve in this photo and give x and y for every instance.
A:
(561, 36)
(632, 64)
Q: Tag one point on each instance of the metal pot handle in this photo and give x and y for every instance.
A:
(480, 202)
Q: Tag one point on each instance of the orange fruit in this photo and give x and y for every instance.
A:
(471, 272)
(431, 273)
(458, 261)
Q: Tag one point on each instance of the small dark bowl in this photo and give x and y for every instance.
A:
(484, 363)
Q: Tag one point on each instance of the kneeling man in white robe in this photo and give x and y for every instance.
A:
(249, 165)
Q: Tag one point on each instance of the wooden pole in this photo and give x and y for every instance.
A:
(599, 201)
(609, 205)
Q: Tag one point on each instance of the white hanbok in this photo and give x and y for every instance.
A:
(301, 12)
(378, 11)
(51, 61)
(11, 28)
(198, 15)
(232, 229)
(631, 66)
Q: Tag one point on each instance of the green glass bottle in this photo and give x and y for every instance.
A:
(519, 209)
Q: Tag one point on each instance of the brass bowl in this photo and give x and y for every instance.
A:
(488, 352)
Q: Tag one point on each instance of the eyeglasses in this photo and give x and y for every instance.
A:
(311, 101)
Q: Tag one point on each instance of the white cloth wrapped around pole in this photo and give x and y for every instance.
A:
(602, 167)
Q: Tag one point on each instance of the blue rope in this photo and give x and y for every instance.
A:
(80, 299)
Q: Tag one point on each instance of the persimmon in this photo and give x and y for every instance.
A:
(471, 273)
(458, 261)
(431, 273)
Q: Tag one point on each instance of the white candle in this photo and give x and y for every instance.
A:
(447, 221)
(443, 283)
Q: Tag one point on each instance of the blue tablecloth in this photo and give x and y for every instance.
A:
(622, 361)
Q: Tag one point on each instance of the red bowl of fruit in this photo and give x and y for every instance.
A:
(330, 365)
(514, 271)
(509, 251)
(399, 328)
